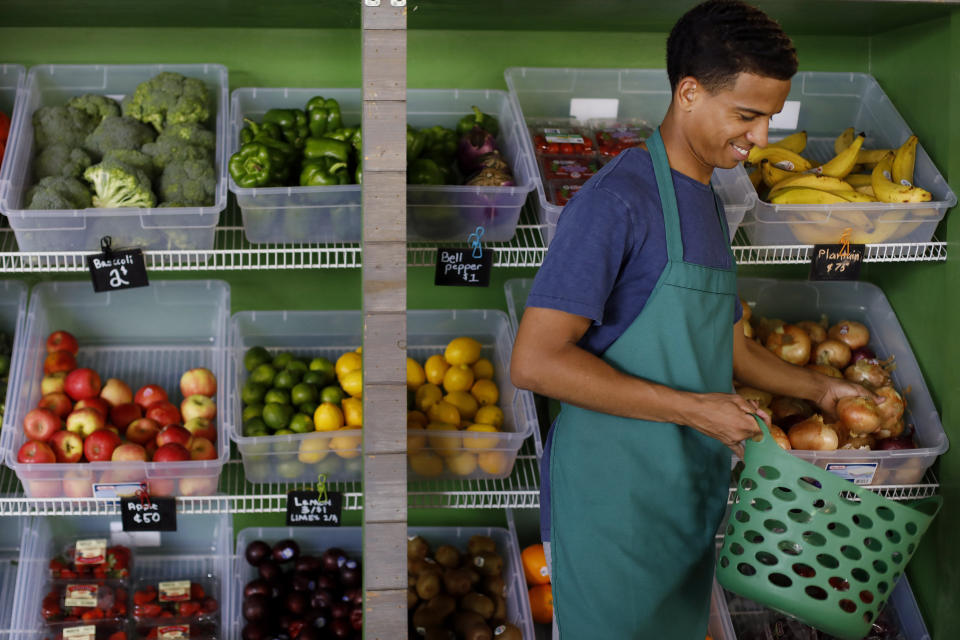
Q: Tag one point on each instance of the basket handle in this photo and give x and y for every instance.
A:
(765, 432)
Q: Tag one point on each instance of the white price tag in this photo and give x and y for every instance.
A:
(586, 108)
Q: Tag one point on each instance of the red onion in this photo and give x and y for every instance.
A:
(863, 353)
(472, 146)
(900, 442)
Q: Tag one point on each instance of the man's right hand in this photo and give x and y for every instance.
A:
(726, 417)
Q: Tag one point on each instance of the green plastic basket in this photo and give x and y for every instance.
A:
(805, 542)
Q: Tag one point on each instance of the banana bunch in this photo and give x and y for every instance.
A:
(854, 174)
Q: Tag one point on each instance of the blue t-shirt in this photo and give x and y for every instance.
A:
(610, 247)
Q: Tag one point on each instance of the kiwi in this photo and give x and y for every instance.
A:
(434, 612)
(456, 582)
(417, 547)
(478, 544)
(495, 586)
(444, 604)
(479, 631)
(500, 610)
(447, 556)
(437, 633)
(412, 598)
(411, 580)
(488, 564)
(507, 631)
(463, 620)
(475, 576)
(478, 603)
(428, 584)
(416, 565)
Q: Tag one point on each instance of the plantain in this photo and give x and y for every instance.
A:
(812, 180)
(756, 178)
(888, 191)
(782, 158)
(795, 142)
(842, 163)
(859, 180)
(870, 157)
(805, 195)
(843, 140)
(855, 196)
(903, 162)
(772, 174)
(868, 190)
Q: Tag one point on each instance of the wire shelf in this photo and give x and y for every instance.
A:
(232, 252)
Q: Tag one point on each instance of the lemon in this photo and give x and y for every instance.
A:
(416, 376)
(480, 442)
(490, 414)
(493, 462)
(482, 369)
(426, 463)
(352, 383)
(444, 412)
(428, 395)
(486, 392)
(458, 378)
(352, 411)
(462, 464)
(462, 350)
(313, 450)
(417, 417)
(434, 368)
(327, 417)
(416, 438)
(445, 445)
(350, 361)
(346, 446)
(465, 403)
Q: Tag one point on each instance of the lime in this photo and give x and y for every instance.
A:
(255, 427)
(353, 466)
(283, 432)
(329, 465)
(332, 394)
(316, 378)
(252, 411)
(287, 379)
(296, 365)
(254, 357)
(4, 364)
(276, 396)
(291, 469)
(282, 359)
(252, 392)
(322, 366)
(301, 423)
(308, 408)
(277, 416)
(263, 374)
(303, 392)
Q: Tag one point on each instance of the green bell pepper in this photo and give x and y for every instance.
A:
(416, 141)
(356, 141)
(292, 122)
(323, 114)
(254, 131)
(358, 174)
(426, 171)
(441, 143)
(478, 119)
(316, 148)
(324, 172)
(257, 165)
(343, 134)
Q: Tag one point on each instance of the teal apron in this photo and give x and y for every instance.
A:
(635, 505)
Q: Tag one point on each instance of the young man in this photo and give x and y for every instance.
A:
(633, 323)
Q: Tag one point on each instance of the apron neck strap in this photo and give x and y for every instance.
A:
(668, 197)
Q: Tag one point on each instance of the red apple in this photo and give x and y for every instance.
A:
(151, 447)
(67, 446)
(36, 452)
(85, 421)
(59, 361)
(111, 428)
(58, 403)
(198, 381)
(142, 431)
(77, 484)
(82, 383)
(99, 445)
(150, 394)
(164, 412)
(197, 406)
(62, 341)
(43, 488)
(124, 475)
(202, 449)
(171, 452)
(116, 392)
(53, 383)
(123, 414)
(174, 433)
(201, 428)
(97, 403)
(129, 451)
(41, 424)
(161, 486)
(200, 486)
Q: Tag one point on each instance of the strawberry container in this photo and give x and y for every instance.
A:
(184, 600)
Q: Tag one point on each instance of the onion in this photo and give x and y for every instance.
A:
(747, 311)
(853, 333)
(899, 442)
(766, 326)
(858, 414)
(472, 148)
(791, 343)
(832, 352)
(868, 373)
(813, 435)
(784, 407)
(863, 353)
(490, 178)
(747, 329)
(762, 398)
(815, 330)
(891, 412)
(780, 437)
(826, 369)
(854, 441)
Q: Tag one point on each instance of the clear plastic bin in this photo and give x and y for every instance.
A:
(10, 535)
(797, 300)
(829, 103)
(13, 315)
(159, 228)
(446, 213)
(201, 546)
(149, 335)
(11, 80)
(642, 93)
(331, 333)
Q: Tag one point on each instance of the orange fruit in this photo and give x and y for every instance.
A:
(535, 565)
(541, 603)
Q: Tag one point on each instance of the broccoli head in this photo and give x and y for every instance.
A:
(169, 98)
(61, 124)
(58, 192)
(117, 185)
(192, 133)
(188, 182)
(118, 132)
(168, 149)
(95, 105)
(136, 159)
(60, 160)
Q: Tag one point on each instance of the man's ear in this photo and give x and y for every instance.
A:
(688, 93)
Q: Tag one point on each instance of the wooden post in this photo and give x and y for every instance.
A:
(385, 322)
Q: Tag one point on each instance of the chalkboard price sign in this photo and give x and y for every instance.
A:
(457, 267)
(836, 261)
(307, 509)
(115, 269)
